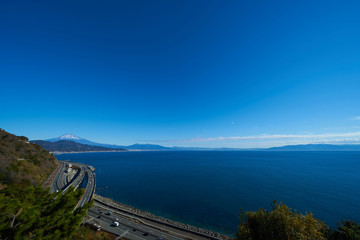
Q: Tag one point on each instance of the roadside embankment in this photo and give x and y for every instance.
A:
(47, 182)
(160, 220)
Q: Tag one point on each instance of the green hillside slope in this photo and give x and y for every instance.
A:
(22, 161)
(70, 146)
(27, 210)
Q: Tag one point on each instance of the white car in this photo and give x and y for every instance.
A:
(116, 224)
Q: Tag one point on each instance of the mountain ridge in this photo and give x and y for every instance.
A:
(136, 146)
(144, 147)
(71, 146)
(317, 147)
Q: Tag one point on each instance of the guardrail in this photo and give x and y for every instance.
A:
(56, 170)
(94, 188)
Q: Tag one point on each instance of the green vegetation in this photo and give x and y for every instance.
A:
(70, 146)
(32, 212)
(28, 211)
(23, 162)
(283, 223)
(347, 230)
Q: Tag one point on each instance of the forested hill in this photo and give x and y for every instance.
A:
(27, 210)
(22, 161)
(70, 146)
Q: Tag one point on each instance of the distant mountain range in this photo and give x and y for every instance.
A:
(68, 138)
(74, 138)
(317, 147)
(71, 146)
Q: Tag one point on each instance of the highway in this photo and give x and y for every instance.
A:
(76, 180)
(90, 186)
(173, 230)
(61, 181)
(55, 185)
(127, 229)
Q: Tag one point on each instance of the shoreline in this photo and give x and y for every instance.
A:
(161, 220)
(126, 150)
(60, 153)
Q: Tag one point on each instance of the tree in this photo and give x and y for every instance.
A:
(29, 212)
(348, 230)
(281, 223)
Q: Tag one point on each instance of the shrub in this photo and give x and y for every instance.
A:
(27, 212)
(281, 223)
(347, 230)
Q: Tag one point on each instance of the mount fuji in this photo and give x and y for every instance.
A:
(68, 136)
(74, 138)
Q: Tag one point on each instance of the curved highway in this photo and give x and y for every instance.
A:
(55, 185)
(60, 182)
(90, 187)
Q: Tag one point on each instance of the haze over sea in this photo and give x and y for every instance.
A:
(208, 188)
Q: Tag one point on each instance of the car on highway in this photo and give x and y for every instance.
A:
(115, 224)
(109, 213)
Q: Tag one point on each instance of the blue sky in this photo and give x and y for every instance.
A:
(182, 73)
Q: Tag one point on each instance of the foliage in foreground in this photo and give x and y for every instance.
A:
(283, 223)
(34, 213)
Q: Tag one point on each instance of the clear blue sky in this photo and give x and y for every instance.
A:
(185, 73)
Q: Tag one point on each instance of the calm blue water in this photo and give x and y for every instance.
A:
(208, 189)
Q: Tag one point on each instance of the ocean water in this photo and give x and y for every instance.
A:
(209, 188)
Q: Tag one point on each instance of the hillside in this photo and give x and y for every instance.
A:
(71, 146)
(138, 146)
(22, 161)
(27, 210)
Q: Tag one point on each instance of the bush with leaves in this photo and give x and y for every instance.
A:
(282, 223)
(348, 230)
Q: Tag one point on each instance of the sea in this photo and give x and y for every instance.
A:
(208, 189)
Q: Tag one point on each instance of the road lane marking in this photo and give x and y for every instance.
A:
(124, 233)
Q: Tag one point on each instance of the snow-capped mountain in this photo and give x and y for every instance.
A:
(74, 138)
(69, 136)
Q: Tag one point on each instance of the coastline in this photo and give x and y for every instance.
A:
(163, 222)
(126, 150)
(60, 153)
